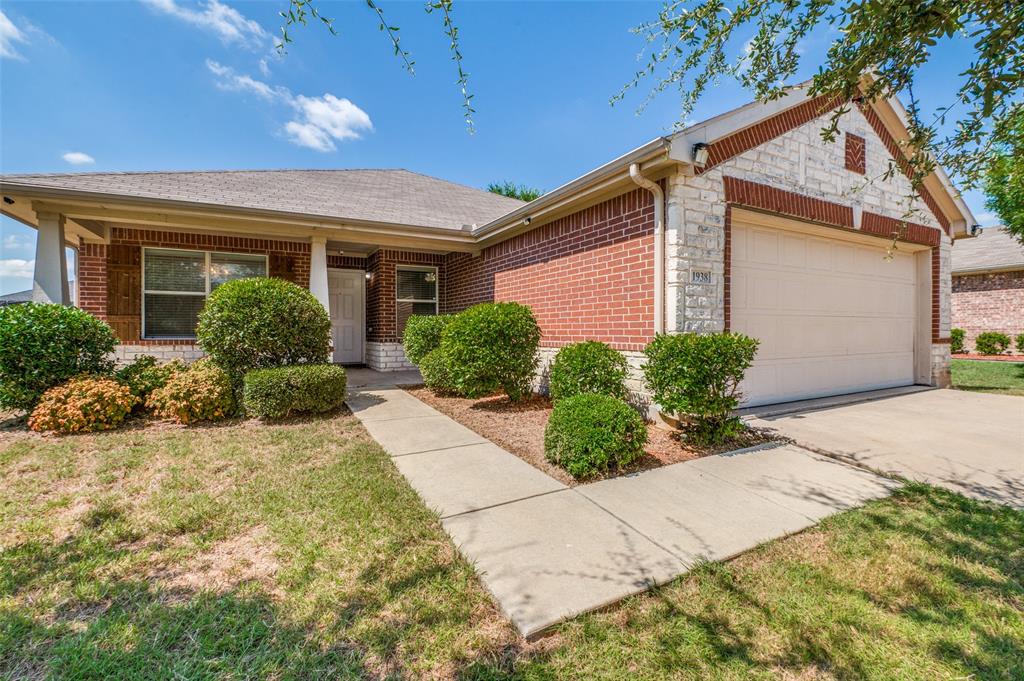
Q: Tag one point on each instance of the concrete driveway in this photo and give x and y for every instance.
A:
(972, 443)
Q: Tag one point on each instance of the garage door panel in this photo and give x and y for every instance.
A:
(832, 316)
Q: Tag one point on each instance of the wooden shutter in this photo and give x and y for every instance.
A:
(124, 291)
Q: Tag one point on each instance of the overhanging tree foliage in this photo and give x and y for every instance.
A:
(514, 191)
(1004, 179)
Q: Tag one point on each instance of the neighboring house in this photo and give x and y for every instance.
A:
(988, 285)
(747, 221)
(16, 298)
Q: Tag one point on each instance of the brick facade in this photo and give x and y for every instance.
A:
(587, 276)
(991, 301)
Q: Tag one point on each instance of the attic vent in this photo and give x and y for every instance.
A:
(856, 160)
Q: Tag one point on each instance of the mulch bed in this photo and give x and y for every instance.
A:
(519, 428)
(990, 358)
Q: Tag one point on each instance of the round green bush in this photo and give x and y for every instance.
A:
(302, 389)
(991, 343)
(437, 372)
(589, 434)
(1020, 343)
(43, 345)
(262, 322)
(492, 346)
(956, 340)
(203, 392)
(588, 367)
(144, 375)
(698, 376)
(423, 335)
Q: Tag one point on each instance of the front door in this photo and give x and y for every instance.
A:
(348, 309)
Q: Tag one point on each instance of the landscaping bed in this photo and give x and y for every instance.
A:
(519, 428)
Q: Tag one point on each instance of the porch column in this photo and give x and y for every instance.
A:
(318, 271)
(50, 278)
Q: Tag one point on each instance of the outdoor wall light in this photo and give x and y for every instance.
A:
(369, 276)
(700, 154)
(527, 220)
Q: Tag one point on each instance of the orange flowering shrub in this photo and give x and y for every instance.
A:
(83, 405)
(203, 392)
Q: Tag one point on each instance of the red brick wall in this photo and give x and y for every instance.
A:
(381, 310)
(589, 275)
(92, 279)
(988, 302)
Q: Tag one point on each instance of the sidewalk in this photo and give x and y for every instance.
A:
(548, 552)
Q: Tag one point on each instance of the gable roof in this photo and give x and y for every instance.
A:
(993, 249)
(397, 197)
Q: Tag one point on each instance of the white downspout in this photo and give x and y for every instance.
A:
(659, 244)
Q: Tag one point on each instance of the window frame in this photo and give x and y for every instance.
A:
(207, 256)
(437, 288)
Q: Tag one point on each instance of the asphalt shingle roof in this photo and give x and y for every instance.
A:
(994, 248)
(397, 197)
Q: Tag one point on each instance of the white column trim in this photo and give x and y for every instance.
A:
(318, 285)
(50, 276)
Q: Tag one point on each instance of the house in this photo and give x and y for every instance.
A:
(16, 298)
(988, 285)
(748, 221)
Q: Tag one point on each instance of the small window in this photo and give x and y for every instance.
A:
(416, 293)
(176, 284)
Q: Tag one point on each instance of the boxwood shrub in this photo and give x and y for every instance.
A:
(991, 343)
(43, 345)
(697, 376)
(492, 346)
(589, 434)
(1020, 343)
(262, 322)
(302, 389)
(423, 335)
(203, 392)
(956, 340)
(587, 367)
(437, 373)
(144, 375)
(82, 405)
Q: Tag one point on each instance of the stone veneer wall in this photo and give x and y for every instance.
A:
(798, 162)
(989, 301)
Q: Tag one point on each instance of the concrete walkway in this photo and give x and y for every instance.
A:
(547, 552)
(971, 443)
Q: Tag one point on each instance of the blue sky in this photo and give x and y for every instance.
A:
(183, 85)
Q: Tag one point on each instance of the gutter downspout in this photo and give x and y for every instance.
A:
(659, 244)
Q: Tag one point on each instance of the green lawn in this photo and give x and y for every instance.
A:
(1006, 378)
(298, 551)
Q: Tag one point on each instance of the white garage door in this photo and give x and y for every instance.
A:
(832, 316)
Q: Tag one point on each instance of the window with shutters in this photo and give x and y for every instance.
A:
(175, 285)
(416, 292)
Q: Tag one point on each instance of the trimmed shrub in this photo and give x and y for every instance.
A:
(203, 392)
(144, 375)
(991, 343)
(589, 434)
(83, 405)
(262, 322)
(43, 345)
(437, 373)
(1020, 343)
(698, 376)
(587, 367)
(492, 346)
(301, 389)
(423, 335)
(956, 340)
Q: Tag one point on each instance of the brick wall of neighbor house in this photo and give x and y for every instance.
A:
(787, 153)
(111, 279)
(992, 301)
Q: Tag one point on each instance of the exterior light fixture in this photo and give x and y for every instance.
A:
(369, 276)
(700, 154)
(527, 220)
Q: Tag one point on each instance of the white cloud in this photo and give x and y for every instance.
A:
(264, 67)
(17, 268)
(78, 158)
(226, 22)
(319, 121)
(10, 34)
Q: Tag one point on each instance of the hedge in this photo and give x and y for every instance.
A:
(589, 434)
(302, 389)
(423, 335)
(587, 367)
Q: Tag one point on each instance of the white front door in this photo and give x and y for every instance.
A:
(348, 310)
(832, 316)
